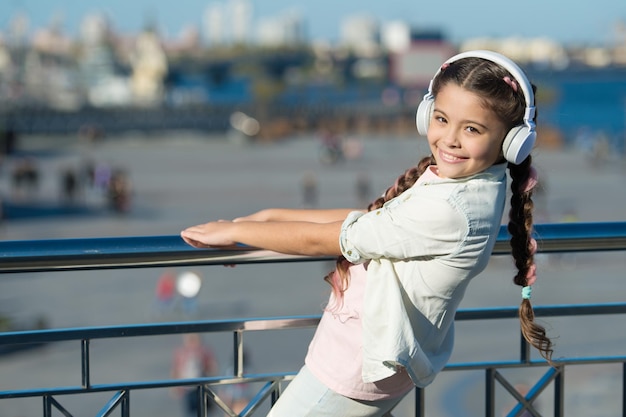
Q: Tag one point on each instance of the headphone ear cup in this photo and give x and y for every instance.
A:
(518, 144)
(423, 115)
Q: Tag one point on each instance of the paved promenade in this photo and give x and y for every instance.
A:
(181, 179)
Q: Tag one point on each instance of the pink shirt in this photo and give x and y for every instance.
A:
(335, 354)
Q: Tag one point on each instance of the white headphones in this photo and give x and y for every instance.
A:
(520, 140)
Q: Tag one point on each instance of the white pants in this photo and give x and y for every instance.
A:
(306, 396)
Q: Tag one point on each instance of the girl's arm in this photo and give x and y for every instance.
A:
(304, 215)
(289, 237)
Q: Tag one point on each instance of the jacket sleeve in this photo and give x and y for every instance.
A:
(408, 227)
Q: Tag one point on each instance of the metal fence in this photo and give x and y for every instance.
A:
(155, 251)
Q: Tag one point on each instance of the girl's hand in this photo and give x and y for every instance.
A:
(212, 234)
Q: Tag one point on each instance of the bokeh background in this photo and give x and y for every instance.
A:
(143, 118)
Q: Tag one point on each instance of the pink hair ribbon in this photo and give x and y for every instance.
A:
(532, 180)
(511, 82)
(532, 243)
(531, 275)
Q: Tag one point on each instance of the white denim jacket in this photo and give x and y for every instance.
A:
(423, 248)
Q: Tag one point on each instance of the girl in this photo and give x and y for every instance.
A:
(404, 264)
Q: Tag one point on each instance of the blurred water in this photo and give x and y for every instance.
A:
(579, 99)
(179, 179)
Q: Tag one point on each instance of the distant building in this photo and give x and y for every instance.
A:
(213, 24)
(227, 22)
(540, 52)
(99, 67)
(396, 37)
(361, 34)
(17, 33)
(415, 55)
(149, 70)
(287, 29)
(241, 11)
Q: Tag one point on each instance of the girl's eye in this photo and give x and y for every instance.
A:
(440, 119)
(472, 129)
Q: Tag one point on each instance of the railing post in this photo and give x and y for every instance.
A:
(126, 404)
(624, 389)
(490, 392)
(84, 351)
(201, 401)
(559, 389)
(420, 406)
(47, 406)
(238, 353)
(276, 393)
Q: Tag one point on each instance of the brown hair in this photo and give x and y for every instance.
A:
(487, 80)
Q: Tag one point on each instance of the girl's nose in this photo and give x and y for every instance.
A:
(450, 138)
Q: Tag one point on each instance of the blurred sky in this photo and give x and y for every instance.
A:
(563, 20)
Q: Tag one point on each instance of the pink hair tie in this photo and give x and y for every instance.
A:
(444, 66)
(531, 181)
(531, 275)
(532, 243)
(511, 82)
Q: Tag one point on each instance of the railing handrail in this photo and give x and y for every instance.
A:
(162, 251)
(275, 323)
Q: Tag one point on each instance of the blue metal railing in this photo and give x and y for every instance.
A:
(141, 252)
(159, 251)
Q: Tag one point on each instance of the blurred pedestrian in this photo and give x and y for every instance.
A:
(330, 151)
(192, 359)
(69, 185)
(8, 138)
(309, 190)
(25, 178)
(363, 189)
(165, 292)
(119, 191)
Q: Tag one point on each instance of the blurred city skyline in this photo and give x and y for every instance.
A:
(598, 23)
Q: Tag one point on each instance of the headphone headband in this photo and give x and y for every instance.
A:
(507, 64)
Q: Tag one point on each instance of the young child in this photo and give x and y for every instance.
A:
(405, 263)
(192, 359)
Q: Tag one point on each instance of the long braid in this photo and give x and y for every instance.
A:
(523, 247)
(339, 278)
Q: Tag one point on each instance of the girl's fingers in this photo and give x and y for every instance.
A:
(193, 242)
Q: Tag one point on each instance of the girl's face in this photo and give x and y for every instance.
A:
(464, 136)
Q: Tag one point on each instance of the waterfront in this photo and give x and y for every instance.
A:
(180, 179)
